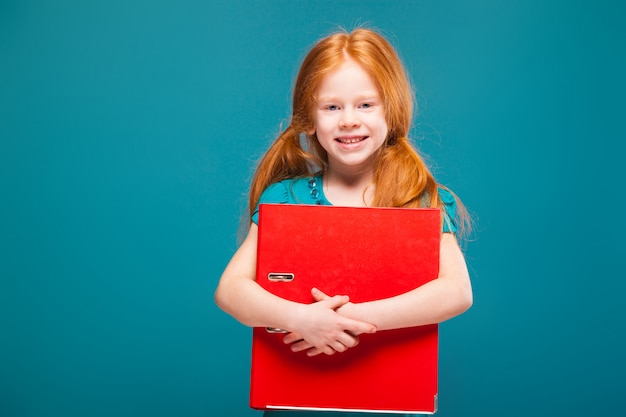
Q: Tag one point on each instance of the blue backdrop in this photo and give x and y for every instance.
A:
(128, 133)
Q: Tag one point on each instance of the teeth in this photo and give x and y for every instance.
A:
(349, 140)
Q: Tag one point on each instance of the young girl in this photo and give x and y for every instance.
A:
(347, 145)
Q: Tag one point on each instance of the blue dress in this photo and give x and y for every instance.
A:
(310, 191)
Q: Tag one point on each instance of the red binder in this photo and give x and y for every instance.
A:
(368, 254)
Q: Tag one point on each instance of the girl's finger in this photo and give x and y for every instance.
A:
(291, 338)
(318, 294)
(337, 301)
(300, 346)
(359, 327)
(348, 340)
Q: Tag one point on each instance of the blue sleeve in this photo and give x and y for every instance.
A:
(276, 193)
(449, 211)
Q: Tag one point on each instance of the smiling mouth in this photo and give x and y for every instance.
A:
(350, 140)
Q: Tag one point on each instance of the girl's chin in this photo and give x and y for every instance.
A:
(342, 163)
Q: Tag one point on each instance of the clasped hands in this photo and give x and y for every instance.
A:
(322, 329)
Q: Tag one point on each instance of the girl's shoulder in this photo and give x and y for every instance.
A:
(292, 191)
(446, 195)
(448, 201)
(302, 190)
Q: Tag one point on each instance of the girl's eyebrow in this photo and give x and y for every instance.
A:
(374, 96)
(368, 96)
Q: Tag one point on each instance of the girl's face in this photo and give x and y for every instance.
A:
(349, 118)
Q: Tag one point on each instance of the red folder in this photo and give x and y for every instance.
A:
(368, 254)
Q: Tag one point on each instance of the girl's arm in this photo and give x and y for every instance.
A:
(434, 302)
(318, 324)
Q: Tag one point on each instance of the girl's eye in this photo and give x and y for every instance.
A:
(332, 107)
(366, 105)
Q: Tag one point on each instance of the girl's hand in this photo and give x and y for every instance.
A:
(323, 330)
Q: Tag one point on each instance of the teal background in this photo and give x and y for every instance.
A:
(128, 133)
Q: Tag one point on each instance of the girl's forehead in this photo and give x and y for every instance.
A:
(347, 63)
(348, 75)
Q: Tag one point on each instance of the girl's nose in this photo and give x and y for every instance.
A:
(349, 120)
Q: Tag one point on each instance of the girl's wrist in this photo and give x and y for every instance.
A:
(347, 310)
(294, 317)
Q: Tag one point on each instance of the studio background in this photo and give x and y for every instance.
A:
(128, 134)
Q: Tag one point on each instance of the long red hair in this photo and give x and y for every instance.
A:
(401, 178)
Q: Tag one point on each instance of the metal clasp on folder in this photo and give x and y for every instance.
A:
(274, 330)
(280, 276)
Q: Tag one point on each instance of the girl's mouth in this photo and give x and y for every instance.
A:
(348, 140)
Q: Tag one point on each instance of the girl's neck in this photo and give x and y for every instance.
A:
(353, 189)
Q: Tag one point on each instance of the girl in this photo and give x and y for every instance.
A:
(347, 145)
